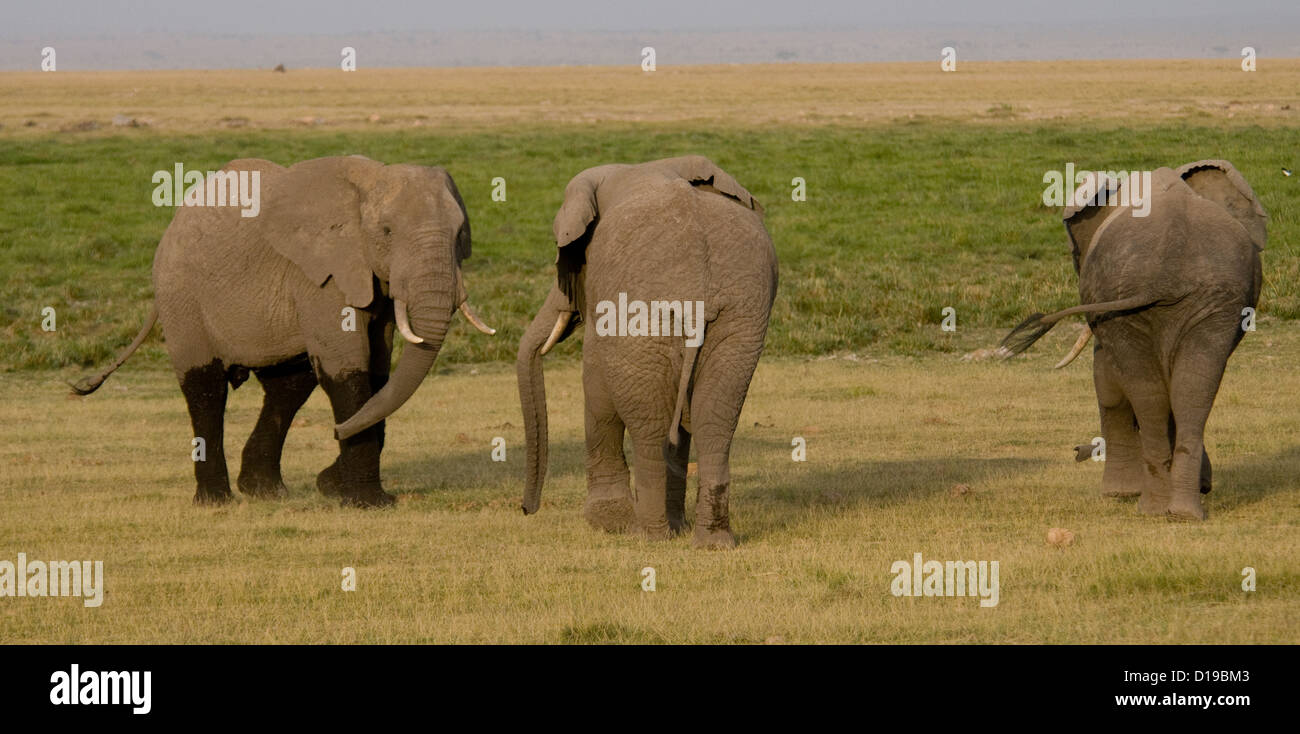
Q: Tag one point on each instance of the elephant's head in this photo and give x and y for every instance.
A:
(586, 195)
(402, 228)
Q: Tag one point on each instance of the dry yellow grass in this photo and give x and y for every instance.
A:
(109, 477)
(191, 101)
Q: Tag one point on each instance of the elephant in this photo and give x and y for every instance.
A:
(666, 237)
(1169, 296)
(308, 291)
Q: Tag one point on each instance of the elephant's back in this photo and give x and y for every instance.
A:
(1186, 247)
(214, 271)
(675, 240)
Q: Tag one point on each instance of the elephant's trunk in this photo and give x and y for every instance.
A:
(532, 394)
(429, 314)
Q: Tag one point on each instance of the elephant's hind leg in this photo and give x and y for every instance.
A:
(1124, 474)
(1193, 384)
(205, 390)
(286, 388)
(677, 459)
(722, 377)
(609, 494)
(652, 487)
(1153, 416)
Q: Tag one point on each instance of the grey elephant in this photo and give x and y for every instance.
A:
(678, 250)
(1168, 296)
(308, 291)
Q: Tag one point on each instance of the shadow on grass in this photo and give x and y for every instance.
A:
(1253, 479)
(789, 490)
(462, 470)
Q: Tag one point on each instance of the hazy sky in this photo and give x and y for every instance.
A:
(33, 18)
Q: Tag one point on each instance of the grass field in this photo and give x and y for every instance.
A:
(109, 477)
(924, 191)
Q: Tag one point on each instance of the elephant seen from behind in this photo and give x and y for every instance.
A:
(1169, 296)
(669, 269)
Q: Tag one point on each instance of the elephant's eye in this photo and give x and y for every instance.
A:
(387, 231)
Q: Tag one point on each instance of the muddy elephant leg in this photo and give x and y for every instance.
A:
(1124, 474)
(354, 475)
(651, 487)
(286, 387)
(343, 366)
(676, 461)
(609, 493)
(205, 394)
(1152, 410)
(722, 373)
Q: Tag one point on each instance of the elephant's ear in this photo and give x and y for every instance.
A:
(1221, 183)
(317, 219)
(1086, 211)
(704, 173)
(464, 242)
(573, 225)
(581, 207)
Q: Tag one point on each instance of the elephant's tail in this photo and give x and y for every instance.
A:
(87, 385)
(1033, 328)
(683, 386)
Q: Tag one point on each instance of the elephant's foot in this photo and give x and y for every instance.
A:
(367, 497)
(656, 530)
(1119, 491)
(611, 514)
(212, 496)
(329, 482)
(262, 486)
(719, 539)
(1186, 507)
(1123, 481)
(1153, 503)
(677, 521)
(352, 494)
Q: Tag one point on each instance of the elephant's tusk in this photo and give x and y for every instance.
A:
(1077, 348)
(561, 323)
(473, 318)
(404, 326)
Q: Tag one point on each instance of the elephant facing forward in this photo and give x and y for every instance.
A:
(1166, 296)
(667, 246)
(308, 291)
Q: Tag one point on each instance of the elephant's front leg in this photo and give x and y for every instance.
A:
(609, 494)
(342, 361)
(354, 475)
